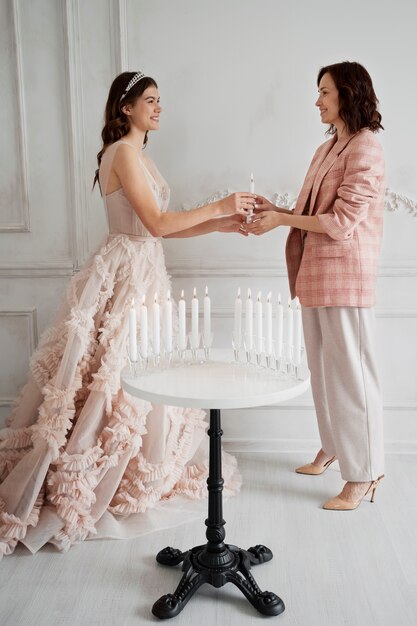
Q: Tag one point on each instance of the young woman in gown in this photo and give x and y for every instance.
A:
(78, 449)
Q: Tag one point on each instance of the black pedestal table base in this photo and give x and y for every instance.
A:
(215, 562)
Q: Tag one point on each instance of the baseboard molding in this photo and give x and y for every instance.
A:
(235, 446)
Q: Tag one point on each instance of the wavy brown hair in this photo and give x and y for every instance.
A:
(358, 104)
(116, 123)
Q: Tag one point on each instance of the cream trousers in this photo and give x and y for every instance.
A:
(344, 382)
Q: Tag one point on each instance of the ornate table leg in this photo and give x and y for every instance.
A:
(215, 562)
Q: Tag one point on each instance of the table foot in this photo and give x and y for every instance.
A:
(200, 566)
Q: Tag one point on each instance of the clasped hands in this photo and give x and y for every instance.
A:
(265, 218)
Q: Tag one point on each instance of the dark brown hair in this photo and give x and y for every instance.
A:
(358, 104)
(116, 123)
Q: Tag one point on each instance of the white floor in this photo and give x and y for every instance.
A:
(330, 568)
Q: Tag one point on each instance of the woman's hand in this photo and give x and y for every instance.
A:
(240, 202)
(232, 224)
(262, 204)
(263, 222)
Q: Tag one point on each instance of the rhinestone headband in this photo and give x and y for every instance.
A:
(136, 78)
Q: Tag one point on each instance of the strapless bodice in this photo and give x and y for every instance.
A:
(121, 216)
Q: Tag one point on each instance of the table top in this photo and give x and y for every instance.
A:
(219, 383)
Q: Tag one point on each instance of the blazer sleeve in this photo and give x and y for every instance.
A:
(364, 172)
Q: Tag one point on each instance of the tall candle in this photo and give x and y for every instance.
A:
(207, 318)
(238, 321)
(182, 327)
(279, 327)
(289, 335)
(259, 323)
(133, 341)
(194, 320)
(297, 335)
(252, 190)
(156, 321)
(268, 325)
(144, 329)
(252, 183)
(249, 322)
(168, 323)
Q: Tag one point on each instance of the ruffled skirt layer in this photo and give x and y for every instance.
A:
(79, 455)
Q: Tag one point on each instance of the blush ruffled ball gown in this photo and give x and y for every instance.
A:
(79, 455)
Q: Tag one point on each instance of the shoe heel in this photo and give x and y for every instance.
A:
(374, 486)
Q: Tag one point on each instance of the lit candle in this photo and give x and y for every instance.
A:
(133, 341)
(259, 320)
(144, 329)
(156, 320)
(168, 323)
(207, 318)
(238, 321)
(252, 190)
(297, 334)
(268, 324)
(280, 328)
(194, 320)
(182, 328)
(289, 335)
(252, 183)
(249, 322)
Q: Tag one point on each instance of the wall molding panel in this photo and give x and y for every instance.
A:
(22, 222)
(76, 133)
(119, 30)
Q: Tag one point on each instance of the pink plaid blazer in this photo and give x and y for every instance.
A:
(345, 188)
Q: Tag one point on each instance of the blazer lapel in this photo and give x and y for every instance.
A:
(311, 176)
(325, 165)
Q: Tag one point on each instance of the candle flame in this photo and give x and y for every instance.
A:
(238, 293)
(168, 295)
(279, 298)
(249, 293)
(132, 303)
(289, 301)
(143, 299)
(259, 296)
(195, 293)
(269, 297)
(251, 177)
(182, 294)
(206, 290)
(156, 297)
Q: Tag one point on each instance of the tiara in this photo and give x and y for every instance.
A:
(136, 78)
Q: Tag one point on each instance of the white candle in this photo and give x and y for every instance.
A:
(259, 323)
(252, 190)
(168, 323)
(182, 328)
(207, 318)
(194, 320)
(144, 329)
(238, 321)
(289, 334)
(156, 321)
(249, 322)
(133, 341)
(297, 335)
(280, 328)
(268, 324)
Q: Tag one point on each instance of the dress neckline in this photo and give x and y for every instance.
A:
(147, 170)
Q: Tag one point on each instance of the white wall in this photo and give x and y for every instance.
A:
(237, 82)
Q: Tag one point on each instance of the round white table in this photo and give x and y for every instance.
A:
(217, 384)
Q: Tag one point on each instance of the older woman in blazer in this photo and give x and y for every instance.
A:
(332, 255)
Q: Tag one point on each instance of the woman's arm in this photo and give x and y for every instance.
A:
(137, 190)
(231, 224)
(268, 220)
